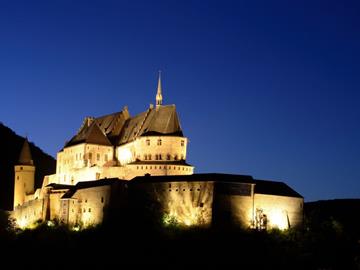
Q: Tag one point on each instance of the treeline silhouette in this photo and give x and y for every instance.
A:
(10, 147)
(326, 241)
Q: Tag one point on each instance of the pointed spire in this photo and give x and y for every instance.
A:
(159, 92)
(25, 154)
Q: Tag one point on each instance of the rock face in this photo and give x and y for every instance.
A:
(10, 148)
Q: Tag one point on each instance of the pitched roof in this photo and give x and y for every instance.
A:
(25, 157)
(91, 134)
(261, 186)
(91, 184)
(275, 188)
(119, 128)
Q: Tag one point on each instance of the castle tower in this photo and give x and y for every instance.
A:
(24, 175)
(159, 94)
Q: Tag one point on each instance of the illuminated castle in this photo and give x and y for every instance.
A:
(146, 153)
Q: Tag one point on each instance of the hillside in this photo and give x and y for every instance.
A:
(10, 147)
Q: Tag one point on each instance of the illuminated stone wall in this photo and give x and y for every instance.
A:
(86, 206)
(153, 148)
(183, 203)
(28, 213)
(75, 163)
(281, 211)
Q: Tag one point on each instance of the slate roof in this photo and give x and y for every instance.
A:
(90, 184)
(119, 128)
(261, 186)
(25, 157)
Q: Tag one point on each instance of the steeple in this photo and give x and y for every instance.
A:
(25, 154)
(159, 90)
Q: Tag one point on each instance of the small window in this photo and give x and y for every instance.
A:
(102, 199)
(168, 157)
(89, 210)
(97, 157)
(149, 156)
(147, 142)
(160, 157)
(182, 143)
(90, 156)
(159, 142)
(201, 204)
(106, 157)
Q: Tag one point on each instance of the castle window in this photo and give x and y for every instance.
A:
(145, 157)
(160, 158)
(106, 157)
(97, 157)
(89, 210)
(156, 157)
(90, 156)
(201, 204)
(17, 177)
(168, 157)
(86, 200)
(159, 167)
(149, 156)
(147, 142)
(176, 157)
(182, 143)
(159, 142)
(155, 167)
(137, 167)
(102, 199)
(150, 167)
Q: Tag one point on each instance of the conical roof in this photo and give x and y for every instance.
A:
(25, 154)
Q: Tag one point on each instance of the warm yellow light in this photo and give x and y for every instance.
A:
(279, 220)
(124, 156)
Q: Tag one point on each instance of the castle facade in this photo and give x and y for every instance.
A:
(115, 156)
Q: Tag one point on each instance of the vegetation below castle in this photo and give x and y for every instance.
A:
(328, 240)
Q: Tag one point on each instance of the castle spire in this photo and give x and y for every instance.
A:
(159, 90)
(25, 154)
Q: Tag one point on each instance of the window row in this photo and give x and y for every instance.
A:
(159, 142)
(163, 167)
(160, 157)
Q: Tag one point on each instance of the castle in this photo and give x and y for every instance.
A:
(115, 156)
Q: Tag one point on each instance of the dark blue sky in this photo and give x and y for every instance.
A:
(267, 88)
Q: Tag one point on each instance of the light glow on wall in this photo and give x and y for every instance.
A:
(278, 219)
(124, 156)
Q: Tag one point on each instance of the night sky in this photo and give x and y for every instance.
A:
(266, 88)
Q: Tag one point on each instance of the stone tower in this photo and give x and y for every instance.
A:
(24, 175)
